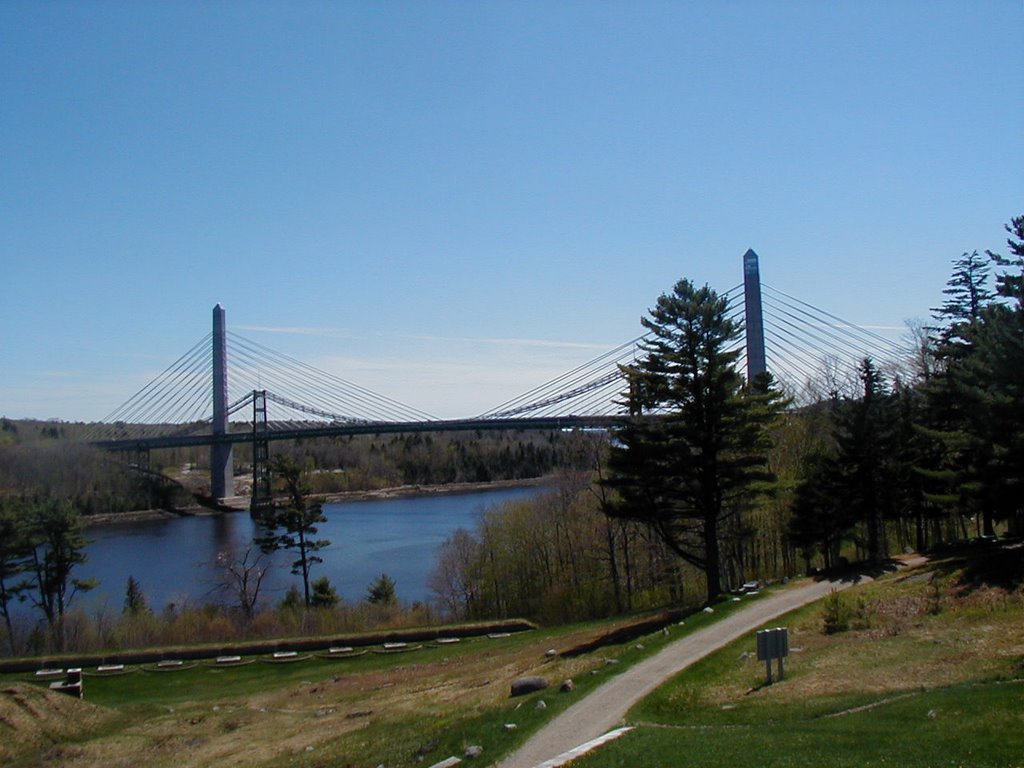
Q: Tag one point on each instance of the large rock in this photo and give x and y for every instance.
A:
(523, 685)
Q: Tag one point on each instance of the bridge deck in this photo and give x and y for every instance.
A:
(364, 428)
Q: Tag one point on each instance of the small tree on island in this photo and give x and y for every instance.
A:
(293, 527)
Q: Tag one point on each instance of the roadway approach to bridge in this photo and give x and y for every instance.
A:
(602, 711)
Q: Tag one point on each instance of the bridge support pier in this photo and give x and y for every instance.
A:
(222, 467)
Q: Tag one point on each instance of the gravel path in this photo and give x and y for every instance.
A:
(605, 707)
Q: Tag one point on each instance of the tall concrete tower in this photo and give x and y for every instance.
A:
(222, 468)
(753, 317)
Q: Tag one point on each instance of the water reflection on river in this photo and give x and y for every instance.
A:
(172, 559)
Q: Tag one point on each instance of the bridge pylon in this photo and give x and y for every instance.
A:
(753, 316)
(222, 467)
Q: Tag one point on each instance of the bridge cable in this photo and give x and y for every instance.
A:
(341, 388)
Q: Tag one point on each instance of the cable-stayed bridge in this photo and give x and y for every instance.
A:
(228, 389)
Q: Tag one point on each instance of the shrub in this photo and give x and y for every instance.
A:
(836, 614)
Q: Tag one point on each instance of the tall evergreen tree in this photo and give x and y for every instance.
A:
(911, 451)
(975, 405)
(867, 478)
(693, 455)
(56, 535)
(294, 526)
(967, 293)
(997, 372)
(14, 562)
(951, 471)
(992, 386)
(820, 519)
(865, 446)
(1010, 282)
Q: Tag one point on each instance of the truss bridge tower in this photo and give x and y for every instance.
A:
(222, 468)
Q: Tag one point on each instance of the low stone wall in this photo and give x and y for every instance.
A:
(192, 653)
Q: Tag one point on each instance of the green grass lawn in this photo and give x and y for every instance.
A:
(930, 674)
(977, 725)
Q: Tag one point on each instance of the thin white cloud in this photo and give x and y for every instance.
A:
(490, 341)
(513, 342)
(298, 330)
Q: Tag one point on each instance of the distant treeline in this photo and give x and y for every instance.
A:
(367, 462)
(92, 481)
(40, 459)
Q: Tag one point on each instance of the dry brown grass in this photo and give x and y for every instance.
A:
(299, 719)
(909, 633)
(33, 718)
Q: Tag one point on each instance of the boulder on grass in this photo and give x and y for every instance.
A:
(524, 685)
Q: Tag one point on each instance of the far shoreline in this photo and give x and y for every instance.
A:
(240, 503)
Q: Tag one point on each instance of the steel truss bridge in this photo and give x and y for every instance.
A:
(253, 394)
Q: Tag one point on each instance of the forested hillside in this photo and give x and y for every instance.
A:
(40, 458)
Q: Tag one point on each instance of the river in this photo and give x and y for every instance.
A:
(172, 559)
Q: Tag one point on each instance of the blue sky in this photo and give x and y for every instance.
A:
(451, 202)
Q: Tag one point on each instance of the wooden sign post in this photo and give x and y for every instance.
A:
(773, 644)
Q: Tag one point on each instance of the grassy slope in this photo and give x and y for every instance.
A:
(364, 711)
(929, 674)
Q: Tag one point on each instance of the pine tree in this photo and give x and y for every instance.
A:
(976, 405)
(14, 562)
(382, 591)
(134, 599)
(968, 294)
(324, 595)
(992, 385)
(950, 472)
(820, 520)
(56, 535)
(1000, 369)
(865, 440)
(693, 456)
(294, 526)
(1009, 284)
(912, 450)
